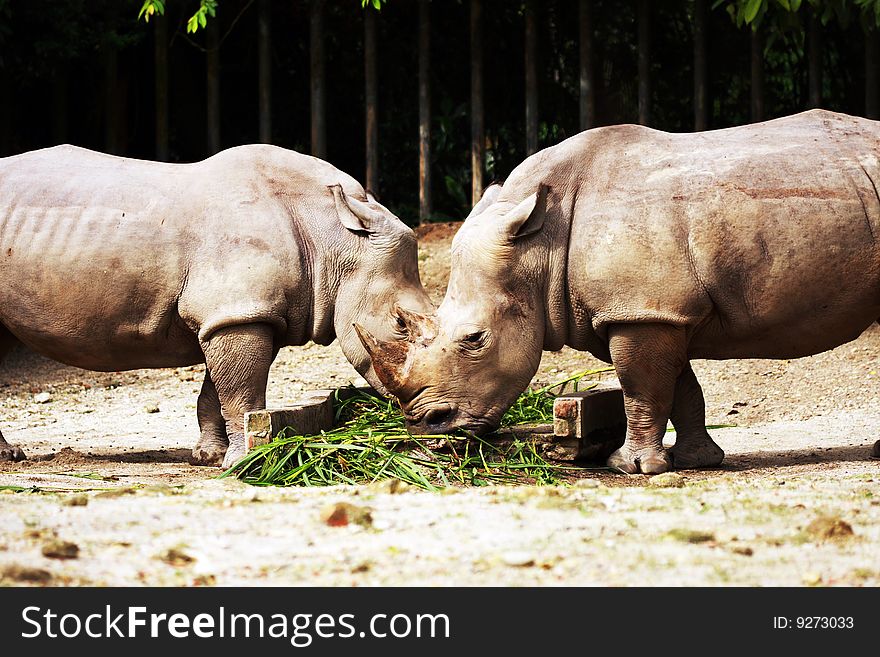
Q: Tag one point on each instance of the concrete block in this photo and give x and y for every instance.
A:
(589, 424)
(310, 414)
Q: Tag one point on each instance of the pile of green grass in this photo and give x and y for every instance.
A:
(371, 443)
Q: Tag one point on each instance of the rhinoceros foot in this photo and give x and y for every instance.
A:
(702, 454)
(876, 451)
(210, 455)
(11, 453)
(237, 451)
(647, 460)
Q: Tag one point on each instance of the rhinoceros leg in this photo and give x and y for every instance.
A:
(694, 447)
(8, 452)
(213, 441)
(238, 360)
(648, 359)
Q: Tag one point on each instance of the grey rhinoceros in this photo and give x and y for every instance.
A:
(110, 263)
(649, 249)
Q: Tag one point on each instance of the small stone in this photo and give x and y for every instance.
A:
(811, 579)
(690, 535)
(177, 557)
(342, 514)
(391, 486)
(159, 489)
(667, 480)
(588, 483)
(76, 500)
(18, 573)
(117, 492)
(58, 549)
(42, 398)
(830, 528)
(151, 408)
(743, 550)
(518, 559)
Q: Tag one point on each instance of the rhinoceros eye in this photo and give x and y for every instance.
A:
(401, 324)
(473, 340)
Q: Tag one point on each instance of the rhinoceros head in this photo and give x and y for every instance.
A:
(382, 293)
(464, 366)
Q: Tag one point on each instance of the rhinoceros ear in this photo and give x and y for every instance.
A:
(355, 215)
(488, 198)
(527, 217)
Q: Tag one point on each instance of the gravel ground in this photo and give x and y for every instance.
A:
(795, 503)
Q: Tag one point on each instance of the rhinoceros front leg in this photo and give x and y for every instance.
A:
(238, 360)
(648, 359)
(694, 447)
(213, 441)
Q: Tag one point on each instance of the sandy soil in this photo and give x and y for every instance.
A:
(108, 472)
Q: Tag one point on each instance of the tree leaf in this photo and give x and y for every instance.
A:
(751, 10)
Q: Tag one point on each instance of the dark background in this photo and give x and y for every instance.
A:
(82, 72)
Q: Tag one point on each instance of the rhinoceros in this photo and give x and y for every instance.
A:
(650, 249)
(110, 263)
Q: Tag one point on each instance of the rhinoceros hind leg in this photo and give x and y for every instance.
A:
(213, 442)
(694, 447)
(8, 452)
(648, 359)
(238, 360)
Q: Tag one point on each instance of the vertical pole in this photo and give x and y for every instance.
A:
(424, 111)
(111, 79)
(531, 65)
(264, 56)
(6, 118)
(478, 141)
(644, 28)
(213, 85)
(757, 92)
(700, 94)
(316, 43)
(59, 106)
(815, 60)
(587, 83)
(872, 61)
(371, 96)
(160, 60)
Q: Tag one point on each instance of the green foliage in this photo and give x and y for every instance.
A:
(200, 18)
(372, 444)
(782, 13)
(208, 9)
(151, 8)
(536, 406)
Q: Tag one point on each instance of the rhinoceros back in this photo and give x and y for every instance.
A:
(92, 258)
(96, 251)
(764, 240)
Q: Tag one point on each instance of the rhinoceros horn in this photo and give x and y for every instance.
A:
(390, 358)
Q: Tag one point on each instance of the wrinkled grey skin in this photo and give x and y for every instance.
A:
(648, 249)
(111, 264)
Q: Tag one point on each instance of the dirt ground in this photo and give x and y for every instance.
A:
(796, 502)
